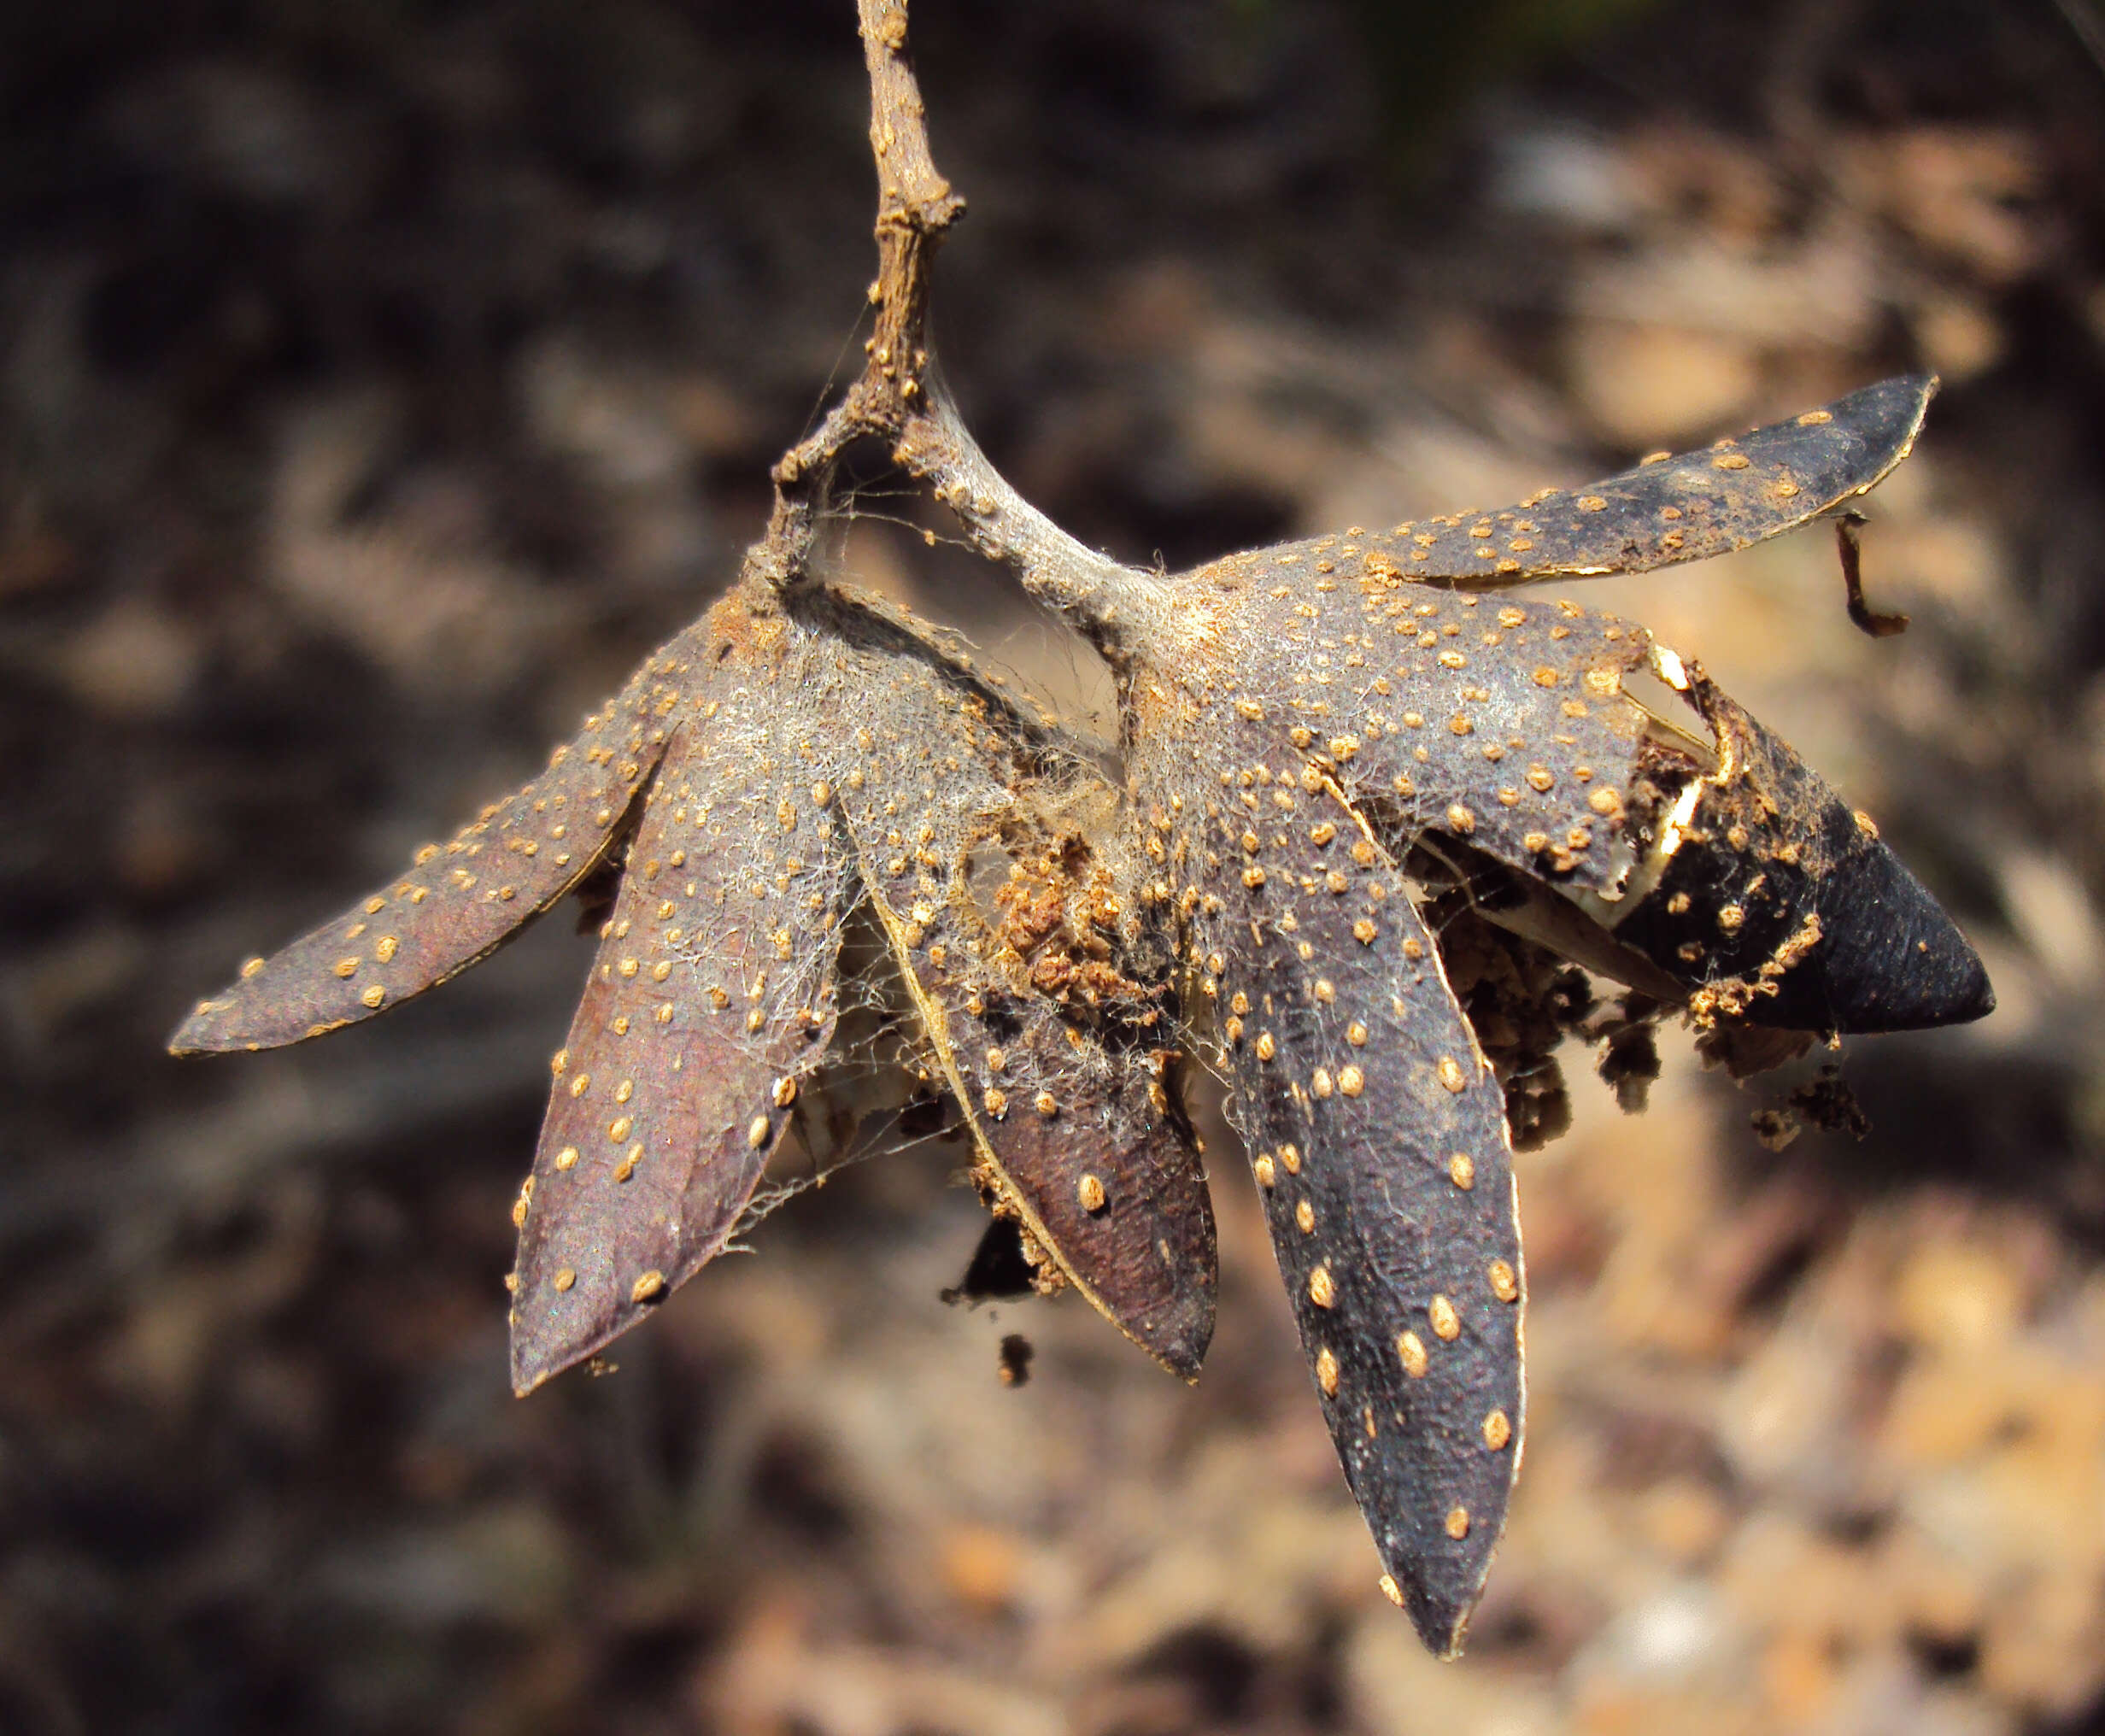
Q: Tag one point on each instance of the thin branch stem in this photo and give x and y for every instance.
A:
(1093, 591)
(898, 399)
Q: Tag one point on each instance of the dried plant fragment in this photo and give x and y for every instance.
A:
(458, 902)
(1685, 507)
(788, 762)
(1379, 1137)
(712, 1000)
(1317, 736)
(1315, 739)
(1517, 731)
(1499, 724)
(1780, 905)
(1039, 1000)
(1522, 1001)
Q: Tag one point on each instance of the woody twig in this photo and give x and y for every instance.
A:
(897, 397)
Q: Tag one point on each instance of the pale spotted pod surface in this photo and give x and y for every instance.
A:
(713, 994)
(1505, 723)
(1502, 721)
(992, 857)
(460, 901)
(1297, 720)
(1530, 732)
(1376, 1131)
(1670, 509)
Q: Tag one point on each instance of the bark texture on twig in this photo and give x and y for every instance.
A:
(897, 397)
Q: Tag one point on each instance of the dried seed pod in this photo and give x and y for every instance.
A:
(459, 901)
(797, 752)
(1038, 999)
(1500, 724)
(1672, 510)
(1775, 902)
(1303, 721)
(1738, 883)
(1363, 1096)
(1511, 728)
(713, 995)
(1339, 1030)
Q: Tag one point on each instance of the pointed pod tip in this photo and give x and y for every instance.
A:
(538, 1355)
(532, 1367)
(1181, 1345)
(1439, 1600)
(1894, 959)
(1907, 394)
(1443, 1627)
(1886, 415)
(197, 1034)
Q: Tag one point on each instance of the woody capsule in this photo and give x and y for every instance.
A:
(839, 853)
(1319, 735)
(1319, 739)
(1366, 779)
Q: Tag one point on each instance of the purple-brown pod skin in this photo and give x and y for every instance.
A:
(1506, 724)
(784, 742)
(1503, 724)
(1375, 1128)
(1296, 718)
(711, 999)
(459, 901)
(1784, 907)
(839, 749)
(1674, 509)
(1499, 720)
(1042, 1005)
